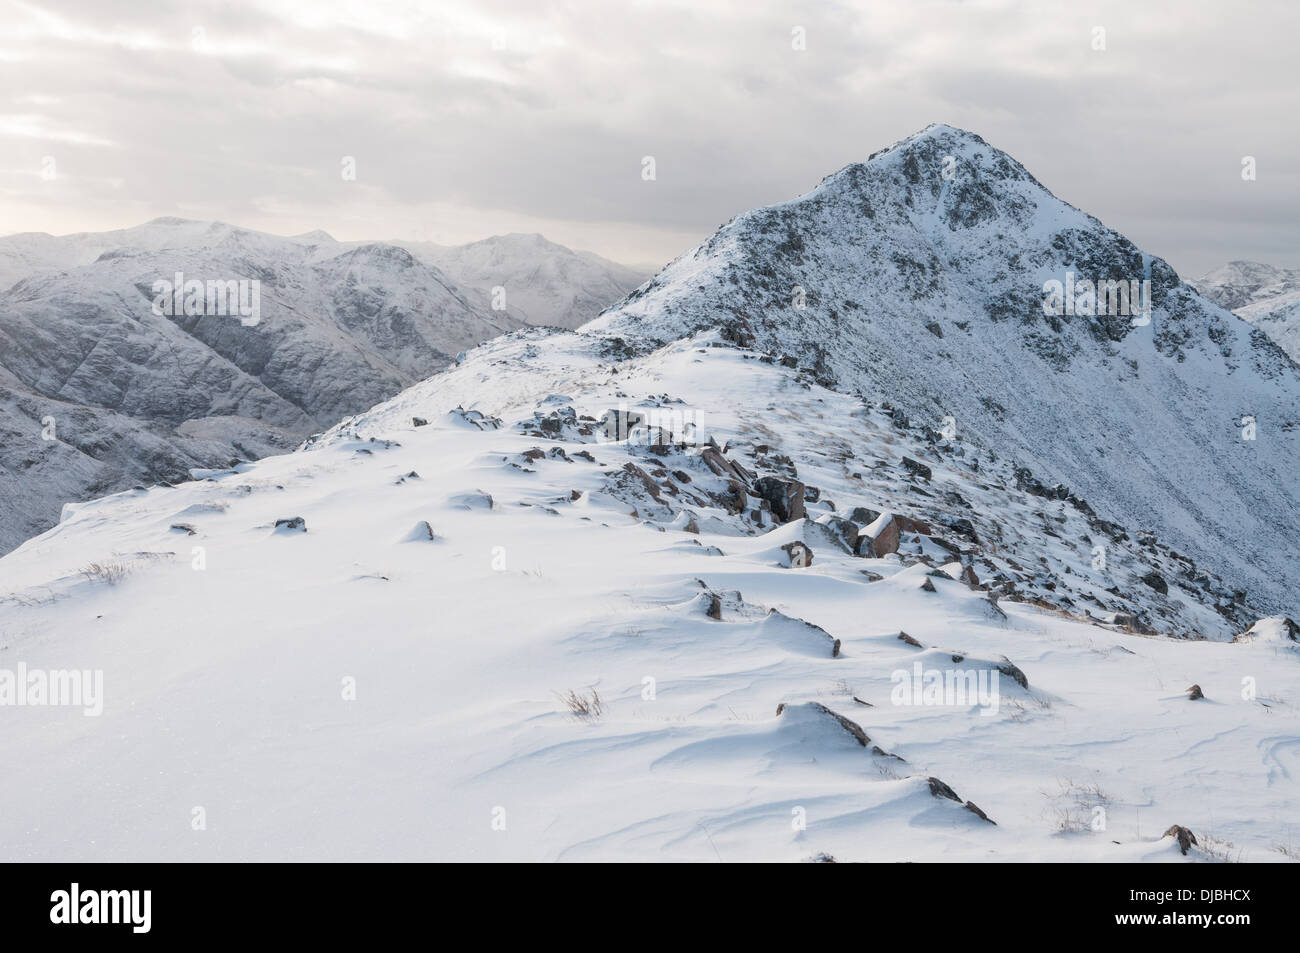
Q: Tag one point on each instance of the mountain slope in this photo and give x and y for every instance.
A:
(895, 281)
(459, 572)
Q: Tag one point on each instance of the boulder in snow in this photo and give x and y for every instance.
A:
(798, 555)
(1184, 836)
(785, 497)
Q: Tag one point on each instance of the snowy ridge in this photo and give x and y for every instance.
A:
(893, 281)
(473, 551)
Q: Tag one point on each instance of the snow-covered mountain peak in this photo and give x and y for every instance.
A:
(530, 278)
(925, 277)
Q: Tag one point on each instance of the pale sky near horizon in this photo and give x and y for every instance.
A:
(466, 119)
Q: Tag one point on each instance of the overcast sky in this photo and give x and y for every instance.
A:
(467, 119)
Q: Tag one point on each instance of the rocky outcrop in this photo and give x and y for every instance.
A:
(785, 497)
(882, 537)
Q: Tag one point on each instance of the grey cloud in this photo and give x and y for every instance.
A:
(550, 129)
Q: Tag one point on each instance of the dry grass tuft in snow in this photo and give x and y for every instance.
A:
(582, 705)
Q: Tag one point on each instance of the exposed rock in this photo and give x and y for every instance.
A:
(477, 419)
(845, 532)
(617, 425)
(798, 555)
(646, 481)
(292, 524)
(864, 516)
(904, 637)
(1195, 692)
(1185, 837)
(1131, 622)
(916, 467)
(883, 535)
(421, 532)
(1013, 672)
(1156, 582)
(737, 332)
(720, 464)
(939, 789)
(962, 527)
(880, 538)
(785, 497)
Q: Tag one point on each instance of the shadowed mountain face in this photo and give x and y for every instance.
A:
(98, 390)
(919, 278)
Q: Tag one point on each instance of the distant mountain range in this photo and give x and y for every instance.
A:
(100, 388)
(1266, 296)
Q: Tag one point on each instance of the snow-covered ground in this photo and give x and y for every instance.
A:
(357, 689)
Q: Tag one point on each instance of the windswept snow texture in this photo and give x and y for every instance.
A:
(138, 397)
(459, 572)
(1266, 296)
(895, 281)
